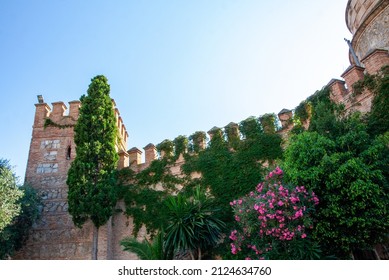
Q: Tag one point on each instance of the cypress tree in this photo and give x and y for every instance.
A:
(91, 175)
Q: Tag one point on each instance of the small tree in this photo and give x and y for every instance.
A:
(91, 176)
(349, 172)
(193, 224)
(145, 249)
(13, 237)
(9, 195)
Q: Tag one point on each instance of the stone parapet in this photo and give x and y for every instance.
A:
(285, 116)
(74, 109)
(338, 90)
(124, 159)
(135, 156)
(150, 153)
(58, 112)
(374, 60)
(352, 75)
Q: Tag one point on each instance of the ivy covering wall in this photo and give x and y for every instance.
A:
(230, 163)
(237, 157)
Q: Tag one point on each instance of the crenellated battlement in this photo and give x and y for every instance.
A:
(121, 129)
(342, 90)
(60, 116)
(195, 143)
(57, 114)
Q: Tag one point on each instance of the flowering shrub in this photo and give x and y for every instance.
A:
(274, 221)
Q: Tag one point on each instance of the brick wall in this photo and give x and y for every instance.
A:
(342, 91)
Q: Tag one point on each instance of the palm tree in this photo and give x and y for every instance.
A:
(193, 225)
(146, 250)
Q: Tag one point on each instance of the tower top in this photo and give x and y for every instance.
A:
(368, 21)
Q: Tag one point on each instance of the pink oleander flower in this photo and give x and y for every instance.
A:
(234, 251)
(278, 171)
(233, 235)
(259, 187)
(298, 214)
(272, 213)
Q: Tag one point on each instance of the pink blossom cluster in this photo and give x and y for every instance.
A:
(276, 172)
(273, 212)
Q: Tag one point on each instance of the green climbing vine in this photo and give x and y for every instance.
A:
(144, 193)
(50, 122)
(180, 145)
(378, 121)
(196, 141)
(232, 135)
(229, 165)
(269, 123)
(166, 146)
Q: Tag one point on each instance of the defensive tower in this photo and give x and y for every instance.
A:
(368, 21)
(52, 150)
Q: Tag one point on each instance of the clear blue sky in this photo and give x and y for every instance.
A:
(174, 66)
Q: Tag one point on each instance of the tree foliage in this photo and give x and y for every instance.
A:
(193, 224)
(13, 237)
(378, 121)
(348, 170)
(91, 177)
(9, 195)
(146, 250)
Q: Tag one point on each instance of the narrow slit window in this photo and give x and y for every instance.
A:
(68, 152)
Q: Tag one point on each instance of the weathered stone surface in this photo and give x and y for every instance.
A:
(50, 144)
(47, 168)
(368, 21)
(52, 155)
(375, 35)
(357, 11)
